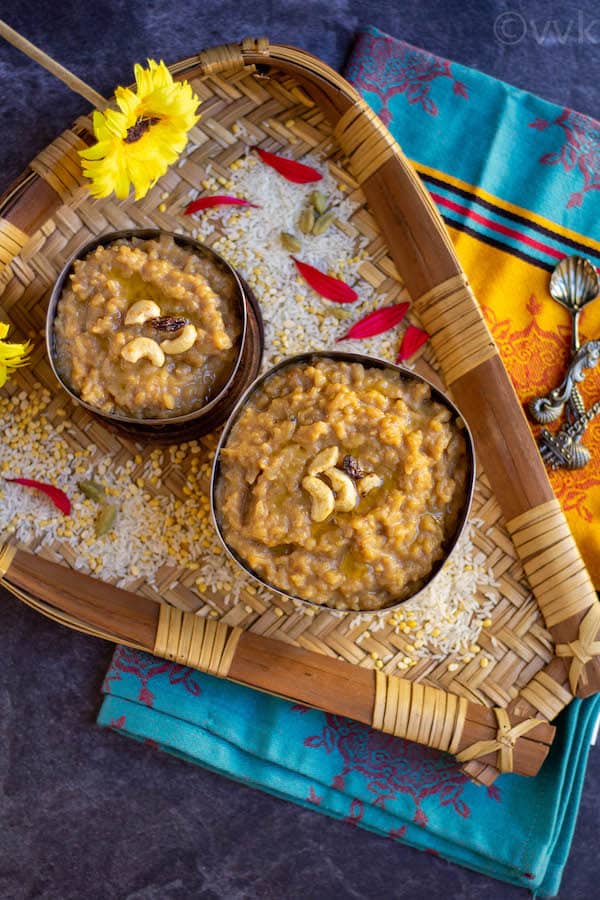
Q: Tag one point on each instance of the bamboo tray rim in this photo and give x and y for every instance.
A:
(375, 159)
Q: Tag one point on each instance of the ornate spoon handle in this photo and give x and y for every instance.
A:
(563, 450)
(547, 409)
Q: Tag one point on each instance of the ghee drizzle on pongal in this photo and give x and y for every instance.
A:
(147, 328)
(303, 524)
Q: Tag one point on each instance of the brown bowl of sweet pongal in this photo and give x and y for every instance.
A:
(343, 481)
(153, 332)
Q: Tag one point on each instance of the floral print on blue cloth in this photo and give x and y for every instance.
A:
(518, 830)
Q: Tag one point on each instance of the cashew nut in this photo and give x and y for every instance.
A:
(141, 311)
(143, 347)
(346, 496)
(368, 483)
(184, 341)
(325, 459)
(323, 502)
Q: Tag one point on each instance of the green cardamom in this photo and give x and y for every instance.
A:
(319, 201)
(323, 222)
(106, 519)
(306, 220)
(92, 490)
(290, 242)
(339, 313)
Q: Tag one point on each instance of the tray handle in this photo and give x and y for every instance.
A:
(227, 58)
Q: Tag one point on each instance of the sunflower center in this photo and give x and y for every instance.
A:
(141, 127)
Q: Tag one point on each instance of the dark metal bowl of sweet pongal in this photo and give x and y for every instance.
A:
(154, 333)
(343, 481)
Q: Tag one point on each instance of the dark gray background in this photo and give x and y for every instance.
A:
(85, 813)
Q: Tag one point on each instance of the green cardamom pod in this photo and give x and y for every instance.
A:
(306, 220)
(106, 519)
(92, 490)
(339, 313)
(319, 201)
(290, 242)
(323, 222)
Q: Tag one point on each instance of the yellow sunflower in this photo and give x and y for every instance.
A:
(11, 355)
(137, 144)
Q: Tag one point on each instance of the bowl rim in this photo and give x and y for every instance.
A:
(368, 362)
(111, 237)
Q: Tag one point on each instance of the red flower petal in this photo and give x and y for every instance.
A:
(325, 285)
(413, 339)
(376, 322)
(216, 200)
(58, 497)
(289, 168)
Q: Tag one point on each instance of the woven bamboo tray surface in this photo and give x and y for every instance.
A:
(517, 643)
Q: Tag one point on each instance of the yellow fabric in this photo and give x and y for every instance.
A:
(532, 334)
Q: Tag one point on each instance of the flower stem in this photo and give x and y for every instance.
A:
(33, 52)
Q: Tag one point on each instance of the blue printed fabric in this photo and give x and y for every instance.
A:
(488, 135)
(518, 830)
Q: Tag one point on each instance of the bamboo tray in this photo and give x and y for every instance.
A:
(543, 638)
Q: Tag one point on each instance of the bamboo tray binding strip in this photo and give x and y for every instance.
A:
(43, 217)
(397, 706)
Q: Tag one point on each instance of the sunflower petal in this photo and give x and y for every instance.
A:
(116, 123)
(96, 151)
(128, 103)
(12, 356)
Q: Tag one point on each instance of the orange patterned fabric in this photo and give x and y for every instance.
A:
(532, 333)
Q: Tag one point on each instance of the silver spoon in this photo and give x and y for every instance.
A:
(563, 449)
(574, 283)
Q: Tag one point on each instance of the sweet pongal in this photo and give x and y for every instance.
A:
(147, 329)
(342, 484)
